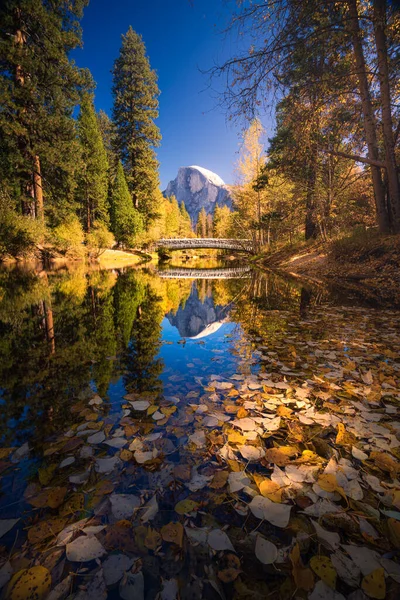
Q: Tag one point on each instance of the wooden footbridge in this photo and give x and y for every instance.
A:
(187, 273)
(212, 243)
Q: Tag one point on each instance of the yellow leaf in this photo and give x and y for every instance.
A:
(153, 539)
(173, 532)
(374, 584)
(270, 489)
(56, 496)
(385, 462)
(280, 456)
(45, 529)
(236, 438)
(4, 452)
(303, 577)
(126, 455)
(219, 480)
(328, 482)
(168, 411)
(344, 438)
(74, 504)
(322, 566)
(242, 413)
(29, 584)
(46, 474)
(283, 411)
(396, 499)
(186, 506)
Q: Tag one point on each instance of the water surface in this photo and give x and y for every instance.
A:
(139, 411)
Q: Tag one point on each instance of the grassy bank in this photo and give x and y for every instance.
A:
(364, 262)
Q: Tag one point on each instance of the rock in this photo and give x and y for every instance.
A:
(199, 188)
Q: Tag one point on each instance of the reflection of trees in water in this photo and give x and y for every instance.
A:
(143, 369)
(264, 303)
(106, 324)
(93, 317)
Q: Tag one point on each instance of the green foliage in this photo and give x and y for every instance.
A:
(92, 189)
(68, 238)
(107, 131)
(136, 92)
(18, 234)
(126, 221)
(39, 88)
(99, 239)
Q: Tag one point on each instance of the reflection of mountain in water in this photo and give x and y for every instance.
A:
(198, 319)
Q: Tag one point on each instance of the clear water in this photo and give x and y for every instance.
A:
(72, 335)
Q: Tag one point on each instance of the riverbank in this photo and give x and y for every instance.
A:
(369, 266)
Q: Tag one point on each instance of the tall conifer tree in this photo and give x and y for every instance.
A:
(126, 221)
(93, 179)
(135, 108)
(39, 88)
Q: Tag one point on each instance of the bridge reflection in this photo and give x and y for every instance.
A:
(188, 273)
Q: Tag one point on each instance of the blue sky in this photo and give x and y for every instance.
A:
(182, 37)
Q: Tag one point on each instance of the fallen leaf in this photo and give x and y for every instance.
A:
(374, 584)
(29, 584)
(173, 532)
(266, 551)
(45, 529)
(218, 540)
(322, 566)
(84, 549)
(186, 506)
(303, 577)
(264, 508)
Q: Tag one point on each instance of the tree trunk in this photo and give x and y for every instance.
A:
(49, 324)
(311, 231)
(388, 139)
(369, 119)
(38, 189)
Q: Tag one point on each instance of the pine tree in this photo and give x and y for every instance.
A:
(107, 131)
(136, 92)
(185, 228)
(92, 188)
(201, 228)
(126, 221)
(39, 88)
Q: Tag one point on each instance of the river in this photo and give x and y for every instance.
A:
(193, 434)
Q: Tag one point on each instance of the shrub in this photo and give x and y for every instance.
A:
(99, 239)
(68, 238)
(18, 234)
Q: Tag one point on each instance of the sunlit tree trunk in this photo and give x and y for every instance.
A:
(369, 118)
(38, 189)
(379, 12)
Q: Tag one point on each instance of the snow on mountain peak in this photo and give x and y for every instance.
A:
(212, 177)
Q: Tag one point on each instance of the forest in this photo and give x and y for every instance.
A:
(74, 181)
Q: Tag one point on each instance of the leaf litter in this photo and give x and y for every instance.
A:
(280, 476)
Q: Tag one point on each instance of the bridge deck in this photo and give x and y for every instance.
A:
(212, 243)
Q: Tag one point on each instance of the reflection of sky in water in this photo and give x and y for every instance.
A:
(205, 355)
(190, 359)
